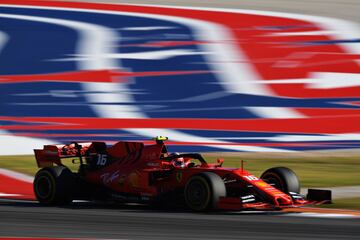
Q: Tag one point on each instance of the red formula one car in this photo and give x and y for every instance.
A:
(134, 172)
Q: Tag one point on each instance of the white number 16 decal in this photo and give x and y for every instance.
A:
(251, 178)
(101, 159)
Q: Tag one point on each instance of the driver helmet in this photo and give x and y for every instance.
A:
(178, 161)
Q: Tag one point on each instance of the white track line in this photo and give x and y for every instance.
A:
(9, 195)
(16, 175)
(320, 215)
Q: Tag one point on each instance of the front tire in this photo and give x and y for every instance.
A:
(54, 185)
(203, 191)
(283, 179)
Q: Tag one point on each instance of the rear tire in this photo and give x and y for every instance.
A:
(54, 185)
(203, 191)
(282, 178)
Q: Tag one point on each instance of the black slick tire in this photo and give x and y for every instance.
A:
(203, 191)
(283, 179)
(54, 185)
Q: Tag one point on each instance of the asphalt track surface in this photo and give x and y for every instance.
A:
(23, 219)
(140, 222)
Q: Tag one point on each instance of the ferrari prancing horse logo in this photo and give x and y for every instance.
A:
(179, 176)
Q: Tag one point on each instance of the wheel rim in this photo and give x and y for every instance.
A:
(197, 194)
(43, 187)
(275, 181)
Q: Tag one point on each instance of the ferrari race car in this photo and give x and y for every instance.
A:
(131, 172)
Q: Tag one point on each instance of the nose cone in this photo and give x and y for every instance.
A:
(283, 200)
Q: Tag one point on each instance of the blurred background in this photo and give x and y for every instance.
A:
(272, 82)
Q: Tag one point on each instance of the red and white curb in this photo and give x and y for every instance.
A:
(15, 185)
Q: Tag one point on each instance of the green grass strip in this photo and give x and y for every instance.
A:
(346, 203)
(313, 171)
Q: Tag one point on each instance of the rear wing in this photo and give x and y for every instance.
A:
(52, 154)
